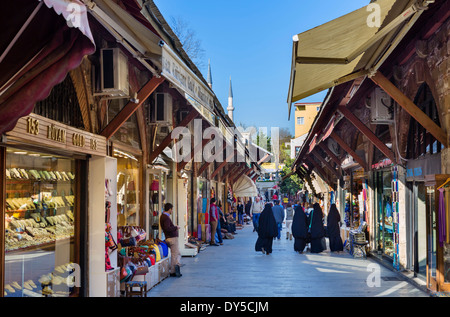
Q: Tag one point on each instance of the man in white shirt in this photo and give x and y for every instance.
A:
(255, 212)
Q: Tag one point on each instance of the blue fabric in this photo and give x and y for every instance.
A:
(165, 249)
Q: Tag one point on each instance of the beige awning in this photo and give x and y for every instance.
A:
(348, 47)
(245, 187)
(114, 18)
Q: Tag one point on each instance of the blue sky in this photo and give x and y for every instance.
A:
(251, 42)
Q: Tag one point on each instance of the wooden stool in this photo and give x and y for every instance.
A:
(142, 292)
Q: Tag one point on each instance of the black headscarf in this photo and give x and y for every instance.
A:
(299, 223)
(267, 225)
(333, 220)
(317, 229)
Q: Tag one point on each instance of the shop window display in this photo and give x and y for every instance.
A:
(157, 200)
(127, 188)
(39, 224)
(385, 229)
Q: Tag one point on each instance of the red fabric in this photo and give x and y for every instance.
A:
(50, 47)
(23, 96)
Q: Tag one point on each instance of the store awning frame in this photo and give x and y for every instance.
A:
(360, 60)
(39, 52)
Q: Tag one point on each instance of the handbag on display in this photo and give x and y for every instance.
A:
(128, 242)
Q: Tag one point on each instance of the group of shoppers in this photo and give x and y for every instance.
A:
(304, 223)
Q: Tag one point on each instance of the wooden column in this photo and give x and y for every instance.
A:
(153, 155)
(131, 107)
(410, 107)
(367, 132)
(349, 150)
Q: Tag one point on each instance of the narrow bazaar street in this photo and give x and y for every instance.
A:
(234, 269)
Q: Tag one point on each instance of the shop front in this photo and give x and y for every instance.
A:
(202, 207)
(44, 207)
(437, 232)
(383, 213)
(416, 171)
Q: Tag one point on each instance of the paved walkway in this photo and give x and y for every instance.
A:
(236, 270)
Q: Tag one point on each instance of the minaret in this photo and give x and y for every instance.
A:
(209, 79)
(230, 103)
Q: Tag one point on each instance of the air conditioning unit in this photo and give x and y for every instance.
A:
(381, 108)
(114, 73)
(161, 109)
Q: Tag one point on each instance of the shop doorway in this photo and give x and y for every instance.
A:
(431, 239)
(419, 228)
(384, 229)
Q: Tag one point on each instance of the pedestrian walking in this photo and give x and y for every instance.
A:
(333, 228)
(289, 218)
(240, 209)
(317, 229)
(257, 208)
(267, 230)
(248, 208)
(278, 213)
(171, 234)
(213, 219)
(300, 229)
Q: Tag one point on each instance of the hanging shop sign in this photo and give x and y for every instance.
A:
(175, 70)
(40, 130)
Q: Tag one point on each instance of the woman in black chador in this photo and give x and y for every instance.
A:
(317, 229)
(334, 234)
(299, 229)
(267, 230)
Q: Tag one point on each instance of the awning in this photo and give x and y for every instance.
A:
(348, 47)
(245, 187)
(41, 42)
(124, 25)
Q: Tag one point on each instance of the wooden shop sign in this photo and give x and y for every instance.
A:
(43, 131)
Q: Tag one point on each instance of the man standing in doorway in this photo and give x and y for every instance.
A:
(213, 219)
(171, 234)
(257, 208)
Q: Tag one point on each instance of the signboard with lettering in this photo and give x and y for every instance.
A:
(43, 131)
(174, 69)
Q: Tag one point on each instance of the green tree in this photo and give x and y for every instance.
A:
(291, 184)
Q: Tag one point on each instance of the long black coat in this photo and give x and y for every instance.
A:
(299, 229)
(267, 230)
(334, 233)
(317, 229)
(299, 223)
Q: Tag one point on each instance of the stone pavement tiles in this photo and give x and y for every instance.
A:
(234, 269)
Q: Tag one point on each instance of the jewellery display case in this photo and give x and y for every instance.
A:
(39, 223)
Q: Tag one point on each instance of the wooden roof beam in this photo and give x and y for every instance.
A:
(168, 139)
(131, 107)
(349, 150)
(410, 107)
(367, 132)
